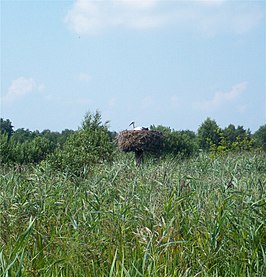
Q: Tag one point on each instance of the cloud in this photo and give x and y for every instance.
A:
(210, 16)
(86, 17)
(211, 2)
(19, 88)
(220, 99)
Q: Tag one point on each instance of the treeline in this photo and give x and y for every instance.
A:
(94, 143)
(211, 138)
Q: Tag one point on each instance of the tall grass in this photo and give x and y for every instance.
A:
(199, 217)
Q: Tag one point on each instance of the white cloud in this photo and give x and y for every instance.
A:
(221, 99)
(19, 88)
(211, 2)
(210, 16)
(138, 4)
(93, 16)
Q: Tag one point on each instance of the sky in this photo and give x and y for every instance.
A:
(169, 62)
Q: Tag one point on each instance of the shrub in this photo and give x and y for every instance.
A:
(182, 143)
(88, 146)
(260, 137)
(209, 134)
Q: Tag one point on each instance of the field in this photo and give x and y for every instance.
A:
(202, 216)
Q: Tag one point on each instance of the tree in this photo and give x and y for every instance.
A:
(260, 137)
(88, 146)
(229, 133)
(32, 151)
(183, 143)
(6, 127)
(21, 135)
(209, 133)
(232, 135)
(6, 149)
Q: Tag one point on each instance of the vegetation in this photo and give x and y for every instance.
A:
(196, 217)
(90, 145)
(260, 137)
(94, 143)
(72, 205)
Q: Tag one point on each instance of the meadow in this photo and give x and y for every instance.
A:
(202, 216)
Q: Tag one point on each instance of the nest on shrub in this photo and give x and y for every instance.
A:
(140, 141)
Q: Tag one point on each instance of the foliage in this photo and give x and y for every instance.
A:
(233, 139)
(21, 135)
(56, 138)
(24, 146)
(87, 147)
(32, 151)
(5, 148)
(182, 143)
(6, 127)
(196, 217)
(209, 133)
(260, 137)
(69, 150)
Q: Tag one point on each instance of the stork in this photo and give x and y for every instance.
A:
(137, 128)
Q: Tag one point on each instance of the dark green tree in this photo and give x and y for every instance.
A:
(32, 151)
(260, 137)
(22, 135)
(232, 134)
(182, 143)
(229, 133)
(209, 133)
(6, 127)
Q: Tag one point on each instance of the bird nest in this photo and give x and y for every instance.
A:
(140, 141)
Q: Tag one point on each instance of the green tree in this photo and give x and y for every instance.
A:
(183, 143)
(209, 133)
(32, 151)
(88, 146)
(233, 136)
(6, 127)
(260, 137)
(6, 149)
(65, 134)
(230, 134)
(22, 135)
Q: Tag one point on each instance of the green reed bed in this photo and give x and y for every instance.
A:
(198, 217)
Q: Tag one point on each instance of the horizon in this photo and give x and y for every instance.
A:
(128, 128)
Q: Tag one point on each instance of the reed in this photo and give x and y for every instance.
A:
(195, 217)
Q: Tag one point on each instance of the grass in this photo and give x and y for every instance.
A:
(198, 217)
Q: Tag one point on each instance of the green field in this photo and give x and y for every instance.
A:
(203, 216)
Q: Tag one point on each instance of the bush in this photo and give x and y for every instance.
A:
(26, 152)
(5, 149)
(182, 143)
(260, 137)
(209, 134)
(88, 146)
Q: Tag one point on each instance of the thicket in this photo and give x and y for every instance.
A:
(93, 143)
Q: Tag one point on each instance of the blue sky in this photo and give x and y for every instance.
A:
(171, 63)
